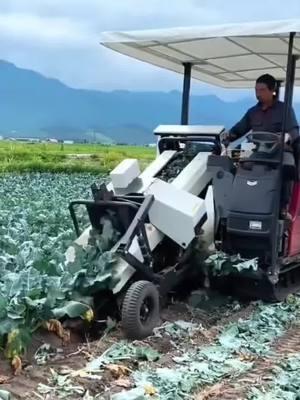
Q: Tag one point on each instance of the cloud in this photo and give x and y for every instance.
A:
(53, 32)
(60, 38)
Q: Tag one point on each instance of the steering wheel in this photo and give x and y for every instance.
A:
(266, 142)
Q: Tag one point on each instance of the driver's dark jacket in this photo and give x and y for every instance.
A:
(269, 120)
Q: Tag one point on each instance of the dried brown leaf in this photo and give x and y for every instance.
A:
(214, 391)
(17, 365)
(247, 357)
(118, 371)
(4, 379)
(53, 325)
(124, 383)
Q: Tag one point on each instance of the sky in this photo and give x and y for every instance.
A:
(60, 38)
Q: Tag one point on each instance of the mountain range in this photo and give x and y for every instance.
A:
(33, 105)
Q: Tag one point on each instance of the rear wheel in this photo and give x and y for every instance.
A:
(140, 310)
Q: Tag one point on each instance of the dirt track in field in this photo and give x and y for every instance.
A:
(259, 375)
(76, 355)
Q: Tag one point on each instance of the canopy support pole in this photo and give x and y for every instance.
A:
(186, 93)
(288, 93)
(292, 78)
(289, 81)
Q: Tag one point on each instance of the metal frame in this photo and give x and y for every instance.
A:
(293, 72)
(136, 228)
(288, 93)
(186, 93)
(100, 203)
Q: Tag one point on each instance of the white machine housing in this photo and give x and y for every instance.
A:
(175, 212)
(124, 173)
(177, 207)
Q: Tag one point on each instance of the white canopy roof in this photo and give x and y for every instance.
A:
(231, 55)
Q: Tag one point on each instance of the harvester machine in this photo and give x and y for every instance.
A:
(163, 214)
(198, 197)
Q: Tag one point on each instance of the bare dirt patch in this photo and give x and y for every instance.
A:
(76, 354)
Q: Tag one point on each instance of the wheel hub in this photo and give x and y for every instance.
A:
(145, 310)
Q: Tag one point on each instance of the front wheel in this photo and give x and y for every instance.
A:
(140, 310)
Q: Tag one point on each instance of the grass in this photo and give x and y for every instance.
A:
(48, 157)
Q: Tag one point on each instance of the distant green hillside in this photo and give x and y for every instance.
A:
(32, 105)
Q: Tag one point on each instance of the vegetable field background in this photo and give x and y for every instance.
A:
(52, 157)
(35, 232)
(208, 347)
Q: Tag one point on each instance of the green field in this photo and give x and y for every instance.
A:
(219, 345)
(48, 157)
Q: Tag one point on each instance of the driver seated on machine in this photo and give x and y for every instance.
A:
(267, 116)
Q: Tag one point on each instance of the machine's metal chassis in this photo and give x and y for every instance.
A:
(258, 286)
(140, 300)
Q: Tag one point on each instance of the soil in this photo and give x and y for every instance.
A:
(76, 354)
(259, 375)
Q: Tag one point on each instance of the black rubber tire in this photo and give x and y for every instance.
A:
(132, 324)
